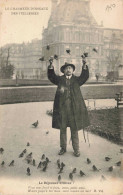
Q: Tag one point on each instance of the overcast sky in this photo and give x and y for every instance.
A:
(24, 28)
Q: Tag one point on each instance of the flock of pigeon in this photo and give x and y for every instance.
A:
(68, 51)
(43, 164)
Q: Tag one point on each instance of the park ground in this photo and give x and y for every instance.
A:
(16, 130)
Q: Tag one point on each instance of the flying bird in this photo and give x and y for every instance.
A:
(81, 173)
(59, 178)
(95, 50)
(95, 168)
(41, 59)
(88, 161)
(107, 158)
(71, 176)
(28, 171)
(56, 57)
(85, 54)
(47, 47)
(74, 170)
(68, 51)
(35, 124)
(12, 163)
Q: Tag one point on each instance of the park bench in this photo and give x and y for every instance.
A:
(119, 99)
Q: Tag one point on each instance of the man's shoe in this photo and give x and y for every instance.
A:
(62, 151)
(76, 153)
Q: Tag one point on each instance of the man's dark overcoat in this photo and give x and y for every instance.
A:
(80, 113)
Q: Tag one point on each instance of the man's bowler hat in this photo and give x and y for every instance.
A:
(65, 65)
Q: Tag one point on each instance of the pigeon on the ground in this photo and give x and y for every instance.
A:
(43, 156)
(58, 161)
(59, 165)
(28, 171)
(71, 176)
(110, 169)
(3, 163)
(12, 163)
(74, 170)
(61, 169)
(45, 163)
(88, 161)
(118, 163)
(39, 165)
(24, 151)
(81, 173)
(29, 155)
(28, 161)
(35, 124)
(62, 164)
(95, 168)
(21, 155)
(107, 158)
(47, 160)
(33, 162)
(47, 132)
(59, 178)
(68, 51)
(1, 150)
(121, 150)
(103, 178)
(44, 169)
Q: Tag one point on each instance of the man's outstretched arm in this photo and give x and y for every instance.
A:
(52, 76)
(84, 74)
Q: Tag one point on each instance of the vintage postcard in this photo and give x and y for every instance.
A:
(61, 97)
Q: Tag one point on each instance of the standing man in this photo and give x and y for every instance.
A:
(69, 107)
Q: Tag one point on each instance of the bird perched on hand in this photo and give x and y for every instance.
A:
(110, 168)
(28, 171)
(88, 161)
(95, 50)
(21, 155)
(107, 158)
(48, 47)
(81, 173)
(118, 163)
(56, 57)
(41, 59)
(39, 165)
(74, 170)
(43, 156)
(71, 176)
(68, 51)
(59, 178)
(12, 163)
(35, 124)
(3, 163)
(95, 168)
(1, 150)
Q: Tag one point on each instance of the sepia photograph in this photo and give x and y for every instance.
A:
(61, 97)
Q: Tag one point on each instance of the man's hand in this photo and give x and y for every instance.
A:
(51, 61)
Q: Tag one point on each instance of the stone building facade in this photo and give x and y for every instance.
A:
(72, 25)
